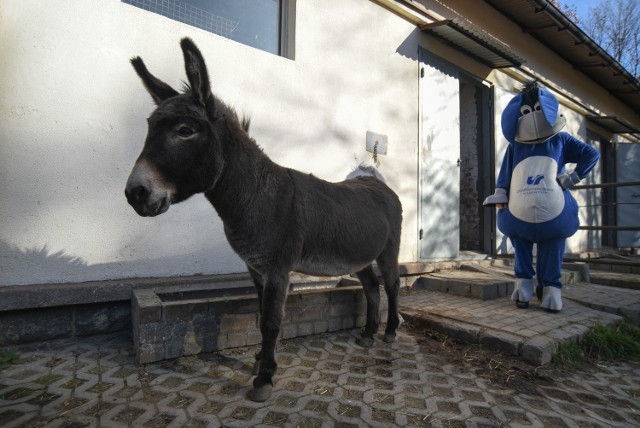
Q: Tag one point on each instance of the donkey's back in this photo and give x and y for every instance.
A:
(345, 226)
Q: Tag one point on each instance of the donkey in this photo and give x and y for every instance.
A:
(276, 219)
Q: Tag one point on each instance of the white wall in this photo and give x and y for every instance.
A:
(72, 122)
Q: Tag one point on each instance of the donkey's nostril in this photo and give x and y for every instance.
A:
(136, 194)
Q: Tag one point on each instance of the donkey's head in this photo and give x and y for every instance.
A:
(182, 153)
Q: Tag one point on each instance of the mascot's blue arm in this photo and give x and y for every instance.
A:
(583, 155)
(575, 151)
(506, 169)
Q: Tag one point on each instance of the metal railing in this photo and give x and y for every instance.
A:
(613, 204)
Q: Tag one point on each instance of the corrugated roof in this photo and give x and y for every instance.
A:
(475, 42)
(552, 28)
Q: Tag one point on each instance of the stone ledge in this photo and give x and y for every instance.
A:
(166, 325)
(32, 296)
(20, 297)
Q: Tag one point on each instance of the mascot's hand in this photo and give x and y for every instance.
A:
(498, 198)
(568, 180)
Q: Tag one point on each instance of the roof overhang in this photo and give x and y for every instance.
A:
(475, 42)
(545, 22)
(614, 124)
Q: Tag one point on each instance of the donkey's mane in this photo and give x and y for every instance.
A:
(245, 122)
(186, 88)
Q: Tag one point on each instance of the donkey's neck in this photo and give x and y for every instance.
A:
(246, 171)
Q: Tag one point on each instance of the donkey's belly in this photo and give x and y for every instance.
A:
(320, 266)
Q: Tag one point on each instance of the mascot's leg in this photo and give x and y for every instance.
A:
(522, 292)
(524, 272)
(549, 267)
(552, 299)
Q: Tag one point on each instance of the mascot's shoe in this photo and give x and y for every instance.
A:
(552, 299)
(523, 292)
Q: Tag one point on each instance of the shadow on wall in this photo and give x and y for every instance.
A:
(41, 261)
(409, 47)
(47, 267)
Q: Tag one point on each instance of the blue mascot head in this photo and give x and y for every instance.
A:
(532, 117)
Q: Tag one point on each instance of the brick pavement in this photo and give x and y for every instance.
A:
(323, 381)
(532, 333)
(622, 301)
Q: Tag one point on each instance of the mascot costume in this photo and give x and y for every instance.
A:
(532, 192)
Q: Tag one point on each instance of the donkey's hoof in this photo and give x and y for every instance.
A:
(256, 368)
(261, 393)
(389, 337)
(522, 305)
(365, 342)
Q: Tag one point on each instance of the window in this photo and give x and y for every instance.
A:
(263, 24)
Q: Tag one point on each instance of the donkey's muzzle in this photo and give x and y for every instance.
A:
(145, 192)
(139, 197)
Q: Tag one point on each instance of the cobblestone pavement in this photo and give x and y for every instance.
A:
(323, 381)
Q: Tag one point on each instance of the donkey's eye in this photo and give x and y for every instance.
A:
(184, 131)
(525, 109)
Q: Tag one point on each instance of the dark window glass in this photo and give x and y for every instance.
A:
(251, 22)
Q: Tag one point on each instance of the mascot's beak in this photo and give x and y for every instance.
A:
(533, 128)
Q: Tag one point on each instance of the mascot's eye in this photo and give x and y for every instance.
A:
(184, 131)
(525, 109)
(537, 106)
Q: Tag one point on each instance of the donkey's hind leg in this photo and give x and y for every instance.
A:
(388, 265)
(371, 287)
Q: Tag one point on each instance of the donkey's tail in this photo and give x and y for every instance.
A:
(363, 170)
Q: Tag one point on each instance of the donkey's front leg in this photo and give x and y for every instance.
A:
(272, 311)
(257, 279)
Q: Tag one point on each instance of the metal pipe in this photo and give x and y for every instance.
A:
(606, 185)
(634, 228)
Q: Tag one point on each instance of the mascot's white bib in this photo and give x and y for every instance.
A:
(534, 195)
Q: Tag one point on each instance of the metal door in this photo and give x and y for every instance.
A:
(439, 187)
(628, 197)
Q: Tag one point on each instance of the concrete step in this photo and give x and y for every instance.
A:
(574, 271)
(468, 283)
(609, 262)
(487, 281)
(616, 279)
(614, 270)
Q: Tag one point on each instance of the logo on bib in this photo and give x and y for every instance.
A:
(532, 198)
(535, 180)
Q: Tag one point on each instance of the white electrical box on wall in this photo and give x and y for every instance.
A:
(376, 143)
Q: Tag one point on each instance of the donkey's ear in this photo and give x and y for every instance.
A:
(196, 71)
(159, 90)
